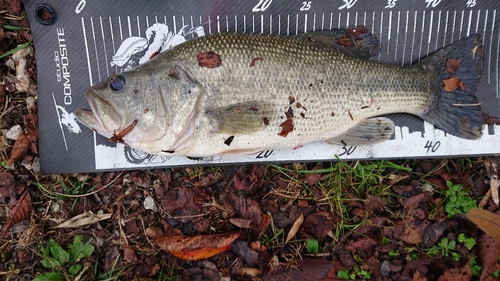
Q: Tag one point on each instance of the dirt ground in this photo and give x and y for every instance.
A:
(362, 220)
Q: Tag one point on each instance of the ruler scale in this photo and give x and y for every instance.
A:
(111, 38)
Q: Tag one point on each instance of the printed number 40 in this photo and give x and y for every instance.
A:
(432, 146)
(262, 6)
(306, 6)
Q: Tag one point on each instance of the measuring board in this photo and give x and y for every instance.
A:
(79, 43)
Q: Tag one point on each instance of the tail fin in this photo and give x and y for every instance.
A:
(455, 108)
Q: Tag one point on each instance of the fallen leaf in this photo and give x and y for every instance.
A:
(241, 223)
(249, 255)
(196, 247)
(489, 251)
(209, 59)
(202, 270)
(84, 219)
(452, 84)
(487, 221)
(20, 148)
(295, 228)
(309, 269)
(318, 225)
(457, 274)
(7, 188)
(286, 128)
(452, 65)
(21, 210)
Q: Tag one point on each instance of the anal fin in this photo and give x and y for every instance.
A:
(368, 131)
(241, 118)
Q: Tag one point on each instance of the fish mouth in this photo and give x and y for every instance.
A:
(102, 116)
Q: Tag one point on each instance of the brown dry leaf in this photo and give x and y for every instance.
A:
(7, 188)
(491, 165)
(489, 251)
(286, 128)
(457, 274)
(209, 59)
(417, 277)
(452, 65)
(21, 211)
(31, 124)
(318, 225)
(487, 221)
(295, 228)
(241, 223)
(452, 84)
(20, 148)
(309, 269)
(409, 232)
(196, 247)
(84, 219)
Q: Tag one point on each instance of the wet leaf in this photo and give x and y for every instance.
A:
(453, 83)
(84, 219)
(452, 65)
(209, 59)
(21, 211)
(196, 247)
(487, 221)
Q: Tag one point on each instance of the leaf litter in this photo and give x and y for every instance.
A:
(375, 220)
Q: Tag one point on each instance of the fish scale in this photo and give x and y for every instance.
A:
(248, 105)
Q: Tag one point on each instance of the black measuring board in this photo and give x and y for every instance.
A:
(79, 43)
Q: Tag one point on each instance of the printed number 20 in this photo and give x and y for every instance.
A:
(262, 6)
(306, 6)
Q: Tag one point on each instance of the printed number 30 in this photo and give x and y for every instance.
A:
(306, 6)
(262, 6)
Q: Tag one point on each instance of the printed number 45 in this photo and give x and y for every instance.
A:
(306, 6)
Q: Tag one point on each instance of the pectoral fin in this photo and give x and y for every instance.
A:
(369, 131)
(241, 118)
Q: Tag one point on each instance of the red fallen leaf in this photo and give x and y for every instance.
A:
(452, 65)
(452, 84)
(20, 148)
(286, 128)
(209, 59)
(196, 247)
(21, 211)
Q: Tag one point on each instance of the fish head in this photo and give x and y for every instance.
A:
(147, 109)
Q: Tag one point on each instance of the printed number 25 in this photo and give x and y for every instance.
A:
(306, 6)
(262, 6)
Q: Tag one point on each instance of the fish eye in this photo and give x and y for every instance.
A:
(117, 83)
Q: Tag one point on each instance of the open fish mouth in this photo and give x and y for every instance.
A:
(102, 116)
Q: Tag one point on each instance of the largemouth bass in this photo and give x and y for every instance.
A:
(241, 94)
